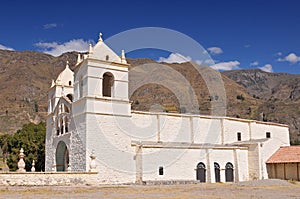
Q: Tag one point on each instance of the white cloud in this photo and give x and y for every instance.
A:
(231, 65)
(50, 25)
(175, 58)
(279, 53)
(254, 63)
(57, 49)
(5, 48)
(215, 50)
(267, 68)
(292, 58)
(247, 46)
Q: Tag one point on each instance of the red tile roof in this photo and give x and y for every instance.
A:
(286, 154)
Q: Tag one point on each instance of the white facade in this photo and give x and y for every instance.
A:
(132, 146)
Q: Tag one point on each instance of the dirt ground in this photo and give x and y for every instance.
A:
(220, 190)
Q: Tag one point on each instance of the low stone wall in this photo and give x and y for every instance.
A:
(48, 178)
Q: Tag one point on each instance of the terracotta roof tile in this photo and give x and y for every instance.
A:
(286, 154)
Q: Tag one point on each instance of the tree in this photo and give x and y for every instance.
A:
(240, 97)
(32, 139)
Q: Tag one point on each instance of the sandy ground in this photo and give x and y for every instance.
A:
(262, 189)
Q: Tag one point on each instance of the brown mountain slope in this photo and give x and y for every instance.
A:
(26, 77)
(280, 93)
(156, 94)
(281, 86)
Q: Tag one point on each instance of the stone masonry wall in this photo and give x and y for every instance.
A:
(48, 179)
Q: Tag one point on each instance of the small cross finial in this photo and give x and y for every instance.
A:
(67, 65)
(100, 37)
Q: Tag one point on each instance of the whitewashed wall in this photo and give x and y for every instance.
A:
(207, 130)
(178, 164)
(112, 146)
(232, 127)
(242, 156)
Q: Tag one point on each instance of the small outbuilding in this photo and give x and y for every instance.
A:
(284, 163)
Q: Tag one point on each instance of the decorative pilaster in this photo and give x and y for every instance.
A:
(139, 164)
(208, 171)
(192, 129)
(222, 131)
(236, 165)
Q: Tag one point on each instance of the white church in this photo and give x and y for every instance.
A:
(89, 114)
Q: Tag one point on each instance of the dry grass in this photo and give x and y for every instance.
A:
(213, 191)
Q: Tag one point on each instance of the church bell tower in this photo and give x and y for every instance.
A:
(101, 81)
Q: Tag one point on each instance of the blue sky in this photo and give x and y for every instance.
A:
(237, 34)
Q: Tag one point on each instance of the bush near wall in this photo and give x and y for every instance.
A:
(32, 139)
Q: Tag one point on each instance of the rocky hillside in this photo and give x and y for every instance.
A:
(279, 94)
(275, 86)
(26, 77)
(238, 100)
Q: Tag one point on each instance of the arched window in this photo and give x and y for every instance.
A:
(201, 172)
(217, 172)
(106, 57)
(107, 84)
(57, 127)
(61, 126)
(70, 83)
(229, 172)
(70, 96)
(66, 125)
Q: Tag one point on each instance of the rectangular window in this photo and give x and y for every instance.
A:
(161, 171)
(268, 134)
(239, 136)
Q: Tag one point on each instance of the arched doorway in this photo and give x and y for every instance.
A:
(201, 172)
(62, 157)
(217, 172)
(229, 172)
